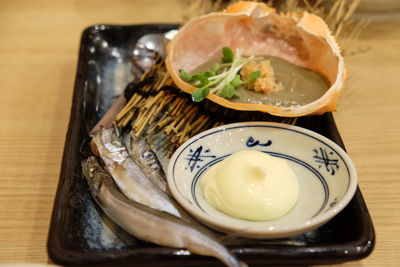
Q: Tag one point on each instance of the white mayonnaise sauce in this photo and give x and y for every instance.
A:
(251, 185)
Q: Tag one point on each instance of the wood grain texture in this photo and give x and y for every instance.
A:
(39, 43)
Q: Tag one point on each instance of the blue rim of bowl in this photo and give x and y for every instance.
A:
(314, 222)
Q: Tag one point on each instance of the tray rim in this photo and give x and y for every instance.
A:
(62, 255)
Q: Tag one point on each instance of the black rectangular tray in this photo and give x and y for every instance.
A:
(77, 233)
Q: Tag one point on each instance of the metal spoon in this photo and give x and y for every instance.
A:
(146, 45)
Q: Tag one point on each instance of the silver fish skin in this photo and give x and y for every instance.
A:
(147, 160)
(149, 224)
(133, 182)
(129, 177)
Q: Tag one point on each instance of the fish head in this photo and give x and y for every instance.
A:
(150, 159)
(93, 172)
(110, 146)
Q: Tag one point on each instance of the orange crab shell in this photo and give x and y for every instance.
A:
(300, 38)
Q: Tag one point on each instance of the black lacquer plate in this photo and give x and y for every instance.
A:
(81, 235)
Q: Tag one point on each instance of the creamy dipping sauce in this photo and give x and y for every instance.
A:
(251, 185)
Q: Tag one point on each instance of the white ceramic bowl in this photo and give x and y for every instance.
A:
(327, 177)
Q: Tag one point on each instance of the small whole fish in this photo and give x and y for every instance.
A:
(147, 160)
(149, 224)
(132, 179)
(129, 177)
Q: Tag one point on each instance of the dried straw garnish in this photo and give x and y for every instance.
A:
(155, 109)
(338, 15)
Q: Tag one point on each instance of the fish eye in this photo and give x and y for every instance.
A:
(116, 143)
(148, 154)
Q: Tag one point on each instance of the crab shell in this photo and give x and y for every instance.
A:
(300, 38)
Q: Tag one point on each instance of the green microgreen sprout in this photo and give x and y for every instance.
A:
(199, 94)
(227, 55)
(185, 76)
(221, 79)
(254, 76)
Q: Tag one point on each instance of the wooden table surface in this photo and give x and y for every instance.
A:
(39, 43)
